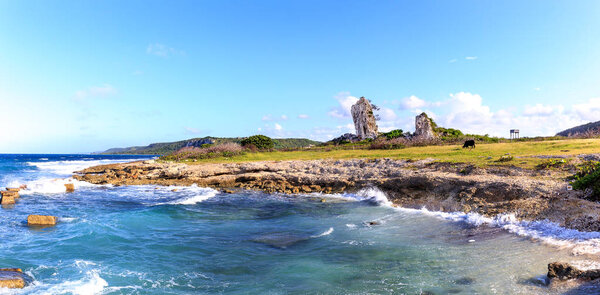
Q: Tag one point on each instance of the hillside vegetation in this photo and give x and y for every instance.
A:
(164, 148)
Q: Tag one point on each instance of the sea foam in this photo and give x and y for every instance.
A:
(545, 231)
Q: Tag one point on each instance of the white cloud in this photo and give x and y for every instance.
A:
(267, 118)
(541, 110)
(387, 114)
(303, 116)
(471, 57)
(162, 50)
(537, 88)
(96, 91)
(588, 111)
(412, 102)
(345, 101)
(284, 117)
(453, 60)
(278, 127)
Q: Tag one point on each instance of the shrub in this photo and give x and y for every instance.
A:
(385, 144)
(213, 151)
(394, 134)
(551, 163)
(261, 142)
(588, 177)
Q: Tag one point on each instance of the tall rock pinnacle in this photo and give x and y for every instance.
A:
(364, 119)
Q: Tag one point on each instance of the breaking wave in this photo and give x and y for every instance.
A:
(545, 231)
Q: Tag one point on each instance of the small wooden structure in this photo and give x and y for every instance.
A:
(514, 134)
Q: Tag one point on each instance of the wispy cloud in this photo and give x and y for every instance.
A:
(163, 50)
(471, 57)
(96, 91)
(453, 60)
(192, 130)
(345, 101)
(303, 116)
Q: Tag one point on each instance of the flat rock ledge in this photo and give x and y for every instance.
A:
(530, 195)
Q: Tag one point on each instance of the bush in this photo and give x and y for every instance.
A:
(394, 134)
(551, 163)
(261, 142)
(588, 177)
(385, 144)
(213, 151)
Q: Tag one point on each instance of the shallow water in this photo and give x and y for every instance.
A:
(152, 240)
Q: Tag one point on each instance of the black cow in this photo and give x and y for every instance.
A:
(469, 143)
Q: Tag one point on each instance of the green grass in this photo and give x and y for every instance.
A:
(482, 155)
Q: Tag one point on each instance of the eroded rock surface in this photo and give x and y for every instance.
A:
(527, 194)
(423, 128)
(364, 119)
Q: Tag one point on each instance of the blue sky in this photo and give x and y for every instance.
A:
(84, 76)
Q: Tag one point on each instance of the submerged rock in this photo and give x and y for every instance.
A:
(41, 220)
(13, 278)
(364, 119)
(281, 240)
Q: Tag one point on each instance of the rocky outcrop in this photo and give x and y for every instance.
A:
(345, 138)
(41, 220)
(364, 119)
(13, 278)
(565, 271)
(436, 186)
(424, 128)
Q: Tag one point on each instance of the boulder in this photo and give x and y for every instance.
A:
(565, 271)
(364, 119)
(7, 200)
(13, 189)
(423, 127)
(10, 194)
(70, 187)
(13, 278)
(38, 220)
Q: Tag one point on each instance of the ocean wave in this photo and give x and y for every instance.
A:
(191, 195)
(68, 167)
(49, 185)
(325, 233)
(546, 231)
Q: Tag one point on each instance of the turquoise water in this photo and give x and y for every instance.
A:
(153, 240)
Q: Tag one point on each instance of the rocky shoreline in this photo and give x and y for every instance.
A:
(528, 194)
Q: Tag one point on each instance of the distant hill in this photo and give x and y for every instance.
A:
(164, 148)
(589, 127)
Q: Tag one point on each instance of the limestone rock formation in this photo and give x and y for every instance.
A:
(13, 278)
(423, 128)
(364, 119)
(43, 220)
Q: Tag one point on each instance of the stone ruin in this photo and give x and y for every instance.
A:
(423, 127)
(364, 119)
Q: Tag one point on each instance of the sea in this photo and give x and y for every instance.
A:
(194, 240)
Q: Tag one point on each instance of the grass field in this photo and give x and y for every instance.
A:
(482, 155)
